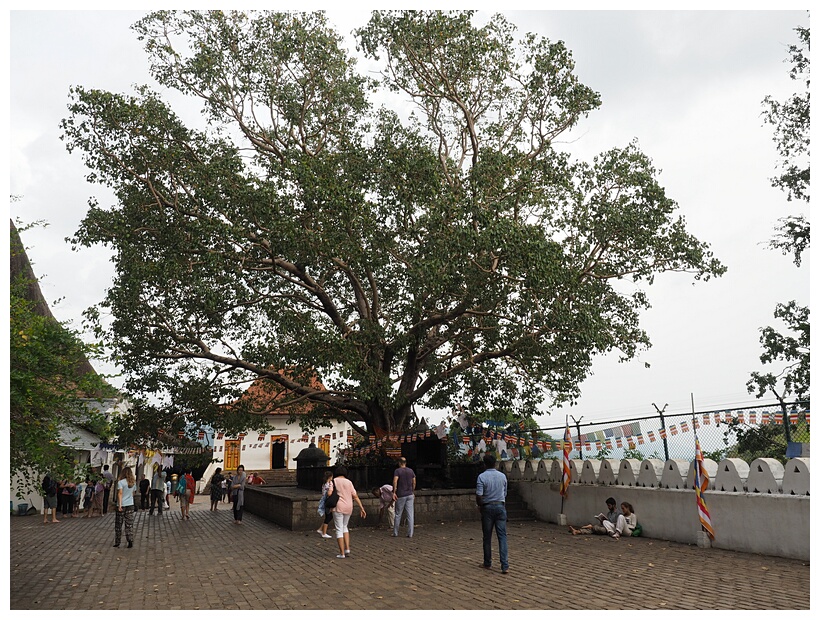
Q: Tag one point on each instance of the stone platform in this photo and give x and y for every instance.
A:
(296, 509)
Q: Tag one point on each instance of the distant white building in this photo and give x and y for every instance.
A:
(277, 448)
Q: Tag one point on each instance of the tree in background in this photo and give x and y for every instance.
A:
(440, 250)
(791, 120)
(49, 376)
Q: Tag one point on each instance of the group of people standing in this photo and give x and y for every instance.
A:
(67, 497)
(339, 494)
(230, 489)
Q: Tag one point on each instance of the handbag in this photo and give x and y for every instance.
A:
(332, 499)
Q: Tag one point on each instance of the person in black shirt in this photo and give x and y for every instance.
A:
(145, 487)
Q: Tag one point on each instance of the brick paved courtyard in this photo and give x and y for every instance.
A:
(211, 563)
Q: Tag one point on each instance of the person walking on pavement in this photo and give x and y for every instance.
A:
(404, 486)
(490, 496)
(238, 493)
(189, 492)
(217, 481)
(126, 486)
(325, 513)
(344, 510)
(226, 488)
(157, 490)
(108, 482)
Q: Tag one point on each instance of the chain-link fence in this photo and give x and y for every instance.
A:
(779, 431)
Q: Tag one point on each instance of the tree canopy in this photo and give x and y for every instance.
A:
(435, 250)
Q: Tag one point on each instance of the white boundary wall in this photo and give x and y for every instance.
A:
(770, 523)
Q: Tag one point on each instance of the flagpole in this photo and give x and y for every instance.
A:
(706, 535)
(695, 431)
(564, 458)
(566, 425)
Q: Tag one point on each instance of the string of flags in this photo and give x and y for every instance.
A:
(629, 435)
(598, 439)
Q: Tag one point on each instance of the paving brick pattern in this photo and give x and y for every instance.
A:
(208, 562)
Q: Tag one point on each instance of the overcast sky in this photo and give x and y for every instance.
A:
(687, 85)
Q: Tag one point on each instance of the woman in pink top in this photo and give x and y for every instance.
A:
(344, 509)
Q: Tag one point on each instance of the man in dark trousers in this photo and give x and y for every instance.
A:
(491, 495)
(145, 486)
(108, 482)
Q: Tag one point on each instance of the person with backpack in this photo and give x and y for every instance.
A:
(49, 499)
(185, 492)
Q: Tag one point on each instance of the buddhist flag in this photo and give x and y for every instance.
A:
(566, 474)
(701, 484)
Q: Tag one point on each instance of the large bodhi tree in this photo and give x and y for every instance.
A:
(446, 252)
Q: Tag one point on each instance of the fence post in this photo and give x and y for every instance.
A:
(663, 428)
(578, 430)
(786, 423)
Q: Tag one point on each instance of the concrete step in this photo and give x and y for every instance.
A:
(277, 477)
(517, 509)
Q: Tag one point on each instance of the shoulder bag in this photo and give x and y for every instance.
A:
(332, 499)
